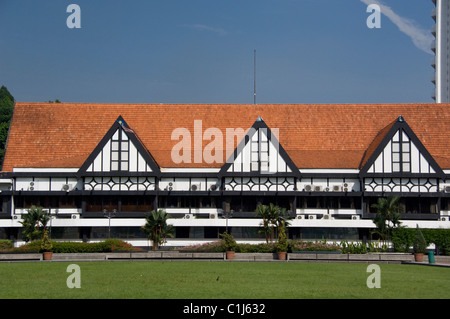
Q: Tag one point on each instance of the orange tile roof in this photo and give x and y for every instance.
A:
(376, 141)
(314, 135)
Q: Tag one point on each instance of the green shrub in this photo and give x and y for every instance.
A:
(402, 239)
(46, 243)
(31, 247)
(215, 246)
(117, 245)
(299, 245)
(440, 237)
(218, 246)
(76, 247)
(420, 245)
(228, 242)
(72, 247)
(354, 248)
(256, 248)
(377, 247)
(282, 243)
(6, 244)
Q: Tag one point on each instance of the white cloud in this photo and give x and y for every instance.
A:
(420, 37)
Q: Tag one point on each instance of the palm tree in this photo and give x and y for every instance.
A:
(34, 223)
(266, 226)
(274, 217)
(388, 216)
(156, 227)
(282, 219)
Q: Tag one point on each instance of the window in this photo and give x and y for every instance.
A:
(136, 203)
(401, 153)
(120, 146)
(99, 203)
(260, 151)
(47, 201)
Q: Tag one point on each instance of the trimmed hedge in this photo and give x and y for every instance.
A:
(403, 239)
(218, 246)
(75, 247)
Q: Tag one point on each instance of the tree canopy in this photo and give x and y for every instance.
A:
(6, 110)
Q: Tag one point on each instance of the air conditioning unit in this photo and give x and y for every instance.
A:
(317, 188)
(170, 184)
(311, 216)
(31, 188)
(75, 216)
(67, 187)
(308, 188)
(213, 216)
(17, 217)
(447, 189)
(299, 217)
(213, 187)
(195, 187)
(355, 217)
(337, 188)
(444, 219)
(345, 187)
(327, 216)
(188, 216)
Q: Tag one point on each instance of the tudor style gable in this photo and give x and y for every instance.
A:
(400, 162)
(119, 162)
(119, 152)
(259, 152)
(259, 163)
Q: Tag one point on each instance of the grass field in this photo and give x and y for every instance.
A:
(220, 280)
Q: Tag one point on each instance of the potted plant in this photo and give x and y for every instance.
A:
(420, 245)
(46, 246)
(229, 244)
(282, 244)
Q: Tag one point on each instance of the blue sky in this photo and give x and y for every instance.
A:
(201, 51)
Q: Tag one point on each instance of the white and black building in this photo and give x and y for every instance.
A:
(100, 168)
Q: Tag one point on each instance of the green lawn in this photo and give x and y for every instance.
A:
(222, 280)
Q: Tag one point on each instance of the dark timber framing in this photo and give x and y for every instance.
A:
(223, 197)
(120, 124)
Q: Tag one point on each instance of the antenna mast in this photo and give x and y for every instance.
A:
(254, 76)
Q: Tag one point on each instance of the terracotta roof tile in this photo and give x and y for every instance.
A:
(314, 135)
